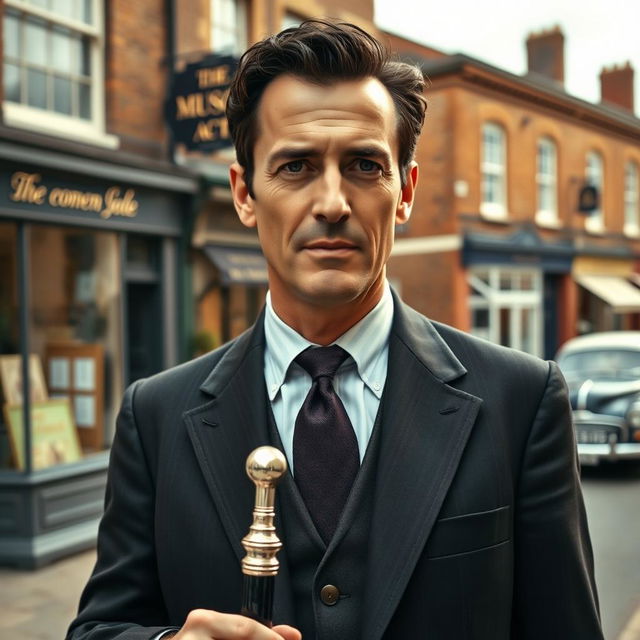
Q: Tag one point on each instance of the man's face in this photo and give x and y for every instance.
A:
(327, 190)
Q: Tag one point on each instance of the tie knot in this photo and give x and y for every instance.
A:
(322, 361)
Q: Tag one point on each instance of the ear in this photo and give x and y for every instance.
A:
(407, 194)
(242, 201)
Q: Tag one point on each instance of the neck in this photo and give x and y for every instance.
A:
(323, 324)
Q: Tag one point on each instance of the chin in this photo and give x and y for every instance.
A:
(332, 288)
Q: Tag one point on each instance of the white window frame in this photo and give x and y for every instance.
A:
(594, 174)
(547, 181)
(90, 131)
(491, 297)
(235, 26)
(632, 199)
(496, 209)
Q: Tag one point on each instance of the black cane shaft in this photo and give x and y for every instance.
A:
(257, 598)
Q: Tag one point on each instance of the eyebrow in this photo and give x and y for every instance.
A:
(300, 153)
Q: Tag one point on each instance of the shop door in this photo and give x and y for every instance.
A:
(144, 329)
(144, 317)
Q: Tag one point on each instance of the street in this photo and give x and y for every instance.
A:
(612, 497)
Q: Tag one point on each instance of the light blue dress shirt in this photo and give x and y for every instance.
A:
(359, 382)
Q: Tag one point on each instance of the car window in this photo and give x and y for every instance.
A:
(605, 364)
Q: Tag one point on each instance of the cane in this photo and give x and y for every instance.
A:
(265, 466)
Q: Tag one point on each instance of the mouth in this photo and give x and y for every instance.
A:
(328, 248)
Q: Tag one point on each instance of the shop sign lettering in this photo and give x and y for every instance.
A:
(112, 202)
(196, 105)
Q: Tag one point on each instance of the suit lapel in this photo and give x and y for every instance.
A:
(223, 432)
(425, 426)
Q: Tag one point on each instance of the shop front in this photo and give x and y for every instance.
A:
(608, 299)
(517, 286)
(90, 300)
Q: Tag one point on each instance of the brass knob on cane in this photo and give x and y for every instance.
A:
(265, 466)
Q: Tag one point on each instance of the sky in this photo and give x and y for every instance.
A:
(597, 33)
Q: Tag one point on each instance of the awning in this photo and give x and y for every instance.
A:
(617, 292)
(238, 265)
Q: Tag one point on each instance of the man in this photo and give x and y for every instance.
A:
(454, 510)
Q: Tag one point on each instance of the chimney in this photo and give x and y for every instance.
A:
(545, 54)
(616, 86)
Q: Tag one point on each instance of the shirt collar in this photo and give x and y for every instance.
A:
(366, 342)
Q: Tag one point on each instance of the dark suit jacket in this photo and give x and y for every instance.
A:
(478, 529)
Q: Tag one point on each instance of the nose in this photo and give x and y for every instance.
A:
(330, 202)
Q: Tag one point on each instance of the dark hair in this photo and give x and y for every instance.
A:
(323, 52)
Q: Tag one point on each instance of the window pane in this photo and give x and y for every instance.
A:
(506, 282)
(37, 88)
(10, 334)
(11, 83)
(11, 30)
(480, 318)
(87, 11)
(80, 56)
(526, 330)
(84, 105)
(62, 47)
(35, 41)
(66, 8)
(44, 4)
(62, 95)
(505, 326)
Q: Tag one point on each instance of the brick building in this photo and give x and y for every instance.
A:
(498, 244)
(120, 252)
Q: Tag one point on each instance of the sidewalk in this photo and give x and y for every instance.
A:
(38, 605)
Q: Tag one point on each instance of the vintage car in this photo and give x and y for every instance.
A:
(603, 374)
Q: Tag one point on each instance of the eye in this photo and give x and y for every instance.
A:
(295, 166)
(368, 166)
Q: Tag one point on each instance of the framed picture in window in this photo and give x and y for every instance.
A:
(11, 379)
(54, 438)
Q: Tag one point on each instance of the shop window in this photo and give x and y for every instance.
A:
(10, 361)
(595, 178)
(229, 26)
(547, 182)
(506, 307)
(75, 333)
(494, 171)
(53, 67)
(631, 200)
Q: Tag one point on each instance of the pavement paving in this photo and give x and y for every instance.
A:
(38, 605)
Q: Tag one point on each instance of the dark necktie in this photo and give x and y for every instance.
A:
(325, 448)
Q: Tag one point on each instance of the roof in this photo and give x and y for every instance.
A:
(532, 85)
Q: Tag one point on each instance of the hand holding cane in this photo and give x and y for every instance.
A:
(265, 466)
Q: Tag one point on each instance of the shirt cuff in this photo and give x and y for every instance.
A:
(167, 633)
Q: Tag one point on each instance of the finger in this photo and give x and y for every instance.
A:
(287, 632)
(226, 626)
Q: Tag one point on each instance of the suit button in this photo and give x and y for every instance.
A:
(329, 594)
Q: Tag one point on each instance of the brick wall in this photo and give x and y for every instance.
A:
(136, 75)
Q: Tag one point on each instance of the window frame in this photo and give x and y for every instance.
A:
(632, 199)
(92, 130)
(489, 293)
(549, 180)
(496, 209)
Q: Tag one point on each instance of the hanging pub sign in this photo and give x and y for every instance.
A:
(588, 199)
(195, 107)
